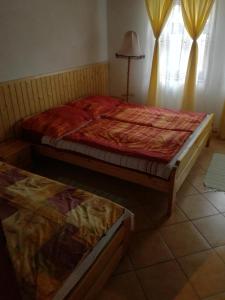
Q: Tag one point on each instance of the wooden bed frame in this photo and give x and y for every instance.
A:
(93, 280)
(178, 174)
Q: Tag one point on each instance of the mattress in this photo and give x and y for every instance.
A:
(147, 166)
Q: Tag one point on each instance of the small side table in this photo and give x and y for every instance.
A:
(16, 152)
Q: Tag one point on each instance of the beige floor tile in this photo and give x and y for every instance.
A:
(213, 229)
(216, 297)
(122, 287)
(221, 252)
(166, 281)
(156, 212)
(176, 217)
(217, 199)
(152, 197)
(142, 220)
(195, 173)
(206, 272)
(127, 202)
(124, 266)
(186, 190)
(218, 146)
(196, 206)
(196, 170)
(198, 183)
(183, 239)
(205, 158)
(148, 248)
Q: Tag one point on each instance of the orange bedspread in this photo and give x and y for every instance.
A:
(131, 139)
(157, 117)
(106, 122)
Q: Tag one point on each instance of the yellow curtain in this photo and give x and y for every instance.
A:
(158, 12)
(222, 124)
(195, 14)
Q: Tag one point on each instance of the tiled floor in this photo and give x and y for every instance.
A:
(181, 258)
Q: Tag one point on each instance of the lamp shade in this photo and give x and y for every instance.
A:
(130, 46)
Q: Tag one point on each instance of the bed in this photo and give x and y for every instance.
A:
(63, 242)
(150, 146)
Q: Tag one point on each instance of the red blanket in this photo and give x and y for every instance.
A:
(157, 117)
(96, 105)
(57, 121)
(131, 139)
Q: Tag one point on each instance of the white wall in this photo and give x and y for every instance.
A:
(49, 35)
(123, 16)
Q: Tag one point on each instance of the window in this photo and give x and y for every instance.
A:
(175, 46)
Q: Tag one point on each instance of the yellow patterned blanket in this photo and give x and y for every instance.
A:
(49, 228)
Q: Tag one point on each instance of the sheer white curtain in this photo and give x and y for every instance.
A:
(175, 45)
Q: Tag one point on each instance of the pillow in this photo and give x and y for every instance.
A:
(96, 105)
(57, 121)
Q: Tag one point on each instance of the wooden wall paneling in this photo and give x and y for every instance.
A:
(30, 96)
(70, 79)
(40, 95)
(79, 86)
(14, 100)
(87, 83)
(91, 79)
(4, 119)
(75, 75)
(99, 76)
(20, 101)
(72, 84)
(95, 80)
(49, 92)
(35, 94)
(27, 96)
(100, 83)
(57, 92)
(45, 99)
(10, 111)
(58, 95)
(53, 88)
(62, 94)
(3, 116)
(81, 82)
(69, 85)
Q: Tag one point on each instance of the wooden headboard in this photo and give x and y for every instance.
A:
(27, 96)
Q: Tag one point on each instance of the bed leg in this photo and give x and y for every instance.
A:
(208, 142)
(171, 193)
(171, 202)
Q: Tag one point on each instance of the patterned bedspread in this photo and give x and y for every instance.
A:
(49, 228)
(131, 139)
(157, 117)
